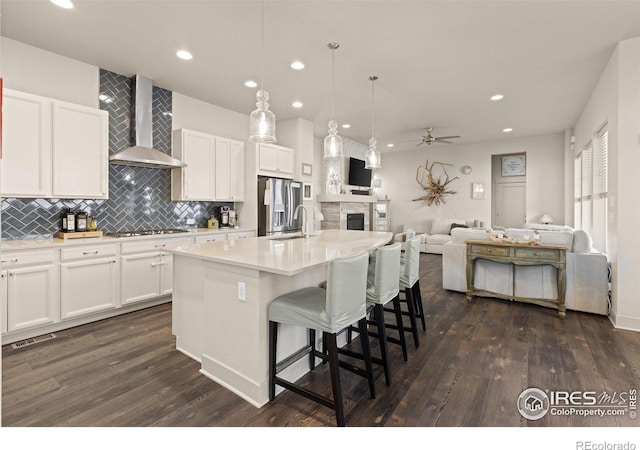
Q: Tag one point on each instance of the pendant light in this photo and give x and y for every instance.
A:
(333, 142)
(372, 159)
(262, 122)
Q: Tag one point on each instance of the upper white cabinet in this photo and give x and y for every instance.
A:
(53, 149)
(275, 160)
(196, 181)
(80, 151)
(25, 167)
(215, 167)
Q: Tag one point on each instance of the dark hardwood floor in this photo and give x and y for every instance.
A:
(473, 362)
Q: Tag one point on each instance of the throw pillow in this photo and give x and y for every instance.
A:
(457, 225)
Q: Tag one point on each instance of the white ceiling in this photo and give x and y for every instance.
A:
(438, 62)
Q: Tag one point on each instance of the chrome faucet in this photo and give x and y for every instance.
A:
(305, 232)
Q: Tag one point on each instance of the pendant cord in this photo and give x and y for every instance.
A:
(372, 106)
(262, 52)
(333, 83)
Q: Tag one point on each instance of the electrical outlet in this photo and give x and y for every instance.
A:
(242, 293)
(191, 222)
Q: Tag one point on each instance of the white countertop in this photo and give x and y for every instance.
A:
(42, 242)
(286, 257)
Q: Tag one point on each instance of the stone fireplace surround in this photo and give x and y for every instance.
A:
(335, 208)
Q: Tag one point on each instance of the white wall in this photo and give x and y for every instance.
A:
(30, 69)
(545, 179)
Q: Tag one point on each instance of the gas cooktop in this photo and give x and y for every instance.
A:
(147, 232)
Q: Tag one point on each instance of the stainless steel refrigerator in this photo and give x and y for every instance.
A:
(277, 202)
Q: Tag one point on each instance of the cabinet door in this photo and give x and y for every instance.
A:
(285, 160)
(140, 278)
(3, 301)
(80, 151)
(268, 157)
(25, 167)
(237, 172)
(198, 151)
(166, 273)
(223, 169)
(88, 286)
(31, 297)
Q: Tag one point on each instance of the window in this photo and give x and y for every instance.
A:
(586, 159)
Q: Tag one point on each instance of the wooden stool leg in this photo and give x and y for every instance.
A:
(398, 311)
(334, 368)
(378, 315)
(366, 353)
(312, 343)
(273, 340)
(417, 295)
(408, 292)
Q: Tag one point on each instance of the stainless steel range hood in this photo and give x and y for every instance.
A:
(142, 152)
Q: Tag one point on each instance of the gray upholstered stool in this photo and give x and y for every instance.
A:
(384, 287)
(409, 277)
(329, 310)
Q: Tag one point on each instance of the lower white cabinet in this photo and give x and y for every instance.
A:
(211, 238)
(88, 286)
(240, 235)
(3, 301)
(32, 296)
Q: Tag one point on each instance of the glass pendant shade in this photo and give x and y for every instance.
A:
(372, 159)
(333, 142)
(262, 122)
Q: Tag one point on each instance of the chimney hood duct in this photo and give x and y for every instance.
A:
(142, 153)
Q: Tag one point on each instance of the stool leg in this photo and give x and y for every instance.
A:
(397, 309)
(378, 314)
(312, 343)
(408, 292)
(366, 353)
(334, 368)
(273, 339)
(417, 295)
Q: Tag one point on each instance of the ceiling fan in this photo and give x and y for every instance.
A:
(430, 138)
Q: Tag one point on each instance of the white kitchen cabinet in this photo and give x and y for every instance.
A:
(25, 167)
(197, 180)
(230, 171)
(53, 149)
(80, 151)
(240, 235)
(89, 279)
(147, 271)
(3, 301)
(211, 238)
(275, 160)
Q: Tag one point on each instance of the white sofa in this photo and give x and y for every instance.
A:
(433, 235)
(587, 269)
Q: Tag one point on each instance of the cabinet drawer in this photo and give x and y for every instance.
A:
(489, 251)
(11, 259)
(152, 245)
(211, 238)
(162, 243)
(93, 251)
(547, 254)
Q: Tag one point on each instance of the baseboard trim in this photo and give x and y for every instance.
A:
(625, 322)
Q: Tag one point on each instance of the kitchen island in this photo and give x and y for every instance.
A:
(221, 295)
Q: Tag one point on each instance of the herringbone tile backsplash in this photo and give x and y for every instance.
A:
(139, 197)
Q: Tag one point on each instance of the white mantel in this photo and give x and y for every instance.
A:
(346, 198)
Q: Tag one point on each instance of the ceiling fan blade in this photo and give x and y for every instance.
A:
(439, 138)
(419, 144)
(443, 142)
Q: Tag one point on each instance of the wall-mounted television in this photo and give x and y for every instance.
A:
(358, 175)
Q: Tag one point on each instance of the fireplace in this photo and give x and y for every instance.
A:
(355, 221)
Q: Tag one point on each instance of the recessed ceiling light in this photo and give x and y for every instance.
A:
(66, 4)
(297, 104)
(250, 84)
(507, 130)
(497, 97)
(105, 98)
(183, 54)
(346, 125)
(297, 65)
(390, 145)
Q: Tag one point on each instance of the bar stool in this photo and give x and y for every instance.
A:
(410, 282)
(330, 310)
(384, 287)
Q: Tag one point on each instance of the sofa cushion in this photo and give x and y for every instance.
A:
(559, 238)
(457, 225)
(443, 226)
(582, 242)
(547, 227)
(439, 239)
(460, 235)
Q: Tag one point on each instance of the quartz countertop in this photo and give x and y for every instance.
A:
(41, 242)
(286, 256)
